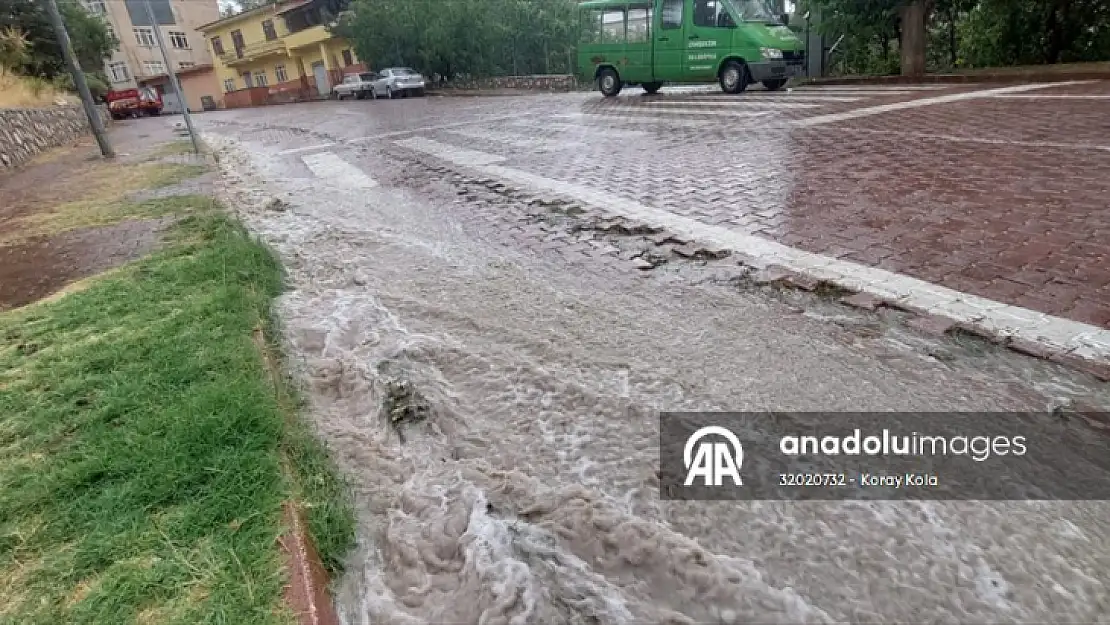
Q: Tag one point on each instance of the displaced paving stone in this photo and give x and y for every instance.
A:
(1099, 370)
(935, 325)
(772, 274)
(1032, 348)
(802, 281)
(862, 300)
(642, 264)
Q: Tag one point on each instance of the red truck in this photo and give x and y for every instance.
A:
(134, 102)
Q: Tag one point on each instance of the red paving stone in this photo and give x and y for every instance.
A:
(968, 194)
(960, 194)
(1021, 225)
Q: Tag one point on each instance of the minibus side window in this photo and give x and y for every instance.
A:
(639, 20)
(672, 14)
(612, 26)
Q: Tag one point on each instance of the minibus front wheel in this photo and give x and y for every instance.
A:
(651, 87)
(609, 82)
(734, 77)
(774, 84)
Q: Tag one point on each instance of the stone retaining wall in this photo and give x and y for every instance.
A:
(26, 132)
(539, 82)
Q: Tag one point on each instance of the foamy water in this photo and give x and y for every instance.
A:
(529, 493)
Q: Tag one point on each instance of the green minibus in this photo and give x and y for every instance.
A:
(651, 42)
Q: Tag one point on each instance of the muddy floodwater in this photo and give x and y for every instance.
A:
(496, 412)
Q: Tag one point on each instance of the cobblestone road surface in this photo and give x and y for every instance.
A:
(1001, 195)
(535, 268)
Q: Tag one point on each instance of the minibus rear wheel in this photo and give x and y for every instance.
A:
(774, 84)
(609, 82)
(734, 77)
(651, 87)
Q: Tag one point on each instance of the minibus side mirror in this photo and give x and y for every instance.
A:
(785, 19)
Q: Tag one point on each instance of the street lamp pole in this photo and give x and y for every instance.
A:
(95, 123)
(173, 76)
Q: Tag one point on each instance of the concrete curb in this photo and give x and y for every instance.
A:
(306, 593)
(936, 310)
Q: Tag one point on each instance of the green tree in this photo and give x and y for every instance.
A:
(463, 37)
(43, 57)
(1023, 32)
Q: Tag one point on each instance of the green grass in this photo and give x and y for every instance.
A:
(142, 445)
(174, 148)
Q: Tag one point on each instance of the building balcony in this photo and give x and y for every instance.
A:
(254, 52)
(310, 36)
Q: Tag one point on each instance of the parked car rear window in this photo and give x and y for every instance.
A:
(366, 76)
(403, 71)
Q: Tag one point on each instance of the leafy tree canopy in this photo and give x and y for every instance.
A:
(966, 33)
(464, 37)
(41, 55)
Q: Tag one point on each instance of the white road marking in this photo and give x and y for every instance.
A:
(577, 130)
(1080, 339)
(875, 87)
(983, 140)
(648, 119)
(853, 92)
(752, 103)
(307, 148)
(331, 168)
(940, 99)
(1053, 96)
(460, 156)
(401, 133)
(626, 116)
(534, 143)
(794, 95)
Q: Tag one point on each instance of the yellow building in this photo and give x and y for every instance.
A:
(279, 52)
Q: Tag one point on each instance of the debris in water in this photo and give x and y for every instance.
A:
(277, 204)
(404, 403)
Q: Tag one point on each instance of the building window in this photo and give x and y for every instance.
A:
(96, 7)
(179, 40)
(186, 64)
(268, 30)
(260, 79)
(217, 45)
(118, 71)
(154, 68)
(144, 36)
(279, 73)
(348, 58)
(229, 85)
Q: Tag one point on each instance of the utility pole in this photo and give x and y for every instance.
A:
(95, 123)
(173, 76)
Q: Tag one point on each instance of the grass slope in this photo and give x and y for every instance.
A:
(142, 445)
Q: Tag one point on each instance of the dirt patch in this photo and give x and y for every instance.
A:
(39, 267)
(70, 214)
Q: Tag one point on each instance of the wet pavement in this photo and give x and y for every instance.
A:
(469, 252)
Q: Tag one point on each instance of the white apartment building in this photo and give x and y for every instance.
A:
(138, 56)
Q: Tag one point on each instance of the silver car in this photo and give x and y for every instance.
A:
(396, 82)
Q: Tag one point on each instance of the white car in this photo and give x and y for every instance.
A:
(356, 86)
(394, 82)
